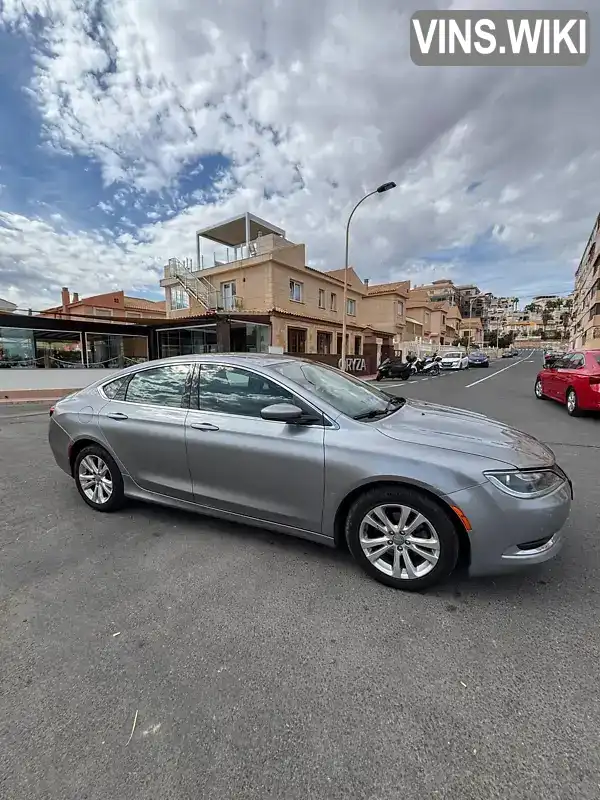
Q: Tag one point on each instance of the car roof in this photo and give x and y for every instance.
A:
(257, 359)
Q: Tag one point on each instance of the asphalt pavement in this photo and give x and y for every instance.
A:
(260, 666)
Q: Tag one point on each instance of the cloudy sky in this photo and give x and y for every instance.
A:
(127, 124)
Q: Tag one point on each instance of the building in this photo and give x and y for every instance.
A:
(115, 306)
(585, 308)
(6, 307)
(472, 329)
(440, 291)
(256, 270)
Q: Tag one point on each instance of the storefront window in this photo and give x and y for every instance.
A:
(258, 338)
(114, 350)
(187, 341)
(24, 348)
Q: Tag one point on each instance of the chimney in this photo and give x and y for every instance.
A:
(65, 299)
(366, 282)
(75, 297)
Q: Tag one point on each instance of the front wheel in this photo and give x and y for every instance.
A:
(99, 479)
(402, 538)
(539, 390)
(435, 370)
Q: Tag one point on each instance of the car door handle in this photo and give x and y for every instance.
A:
(204, 426)
(117, 415)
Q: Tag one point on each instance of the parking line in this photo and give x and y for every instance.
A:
(493, 375)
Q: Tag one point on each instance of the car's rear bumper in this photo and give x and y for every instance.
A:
(508, 532)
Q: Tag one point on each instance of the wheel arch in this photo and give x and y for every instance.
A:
(464, 545)
(86, 441)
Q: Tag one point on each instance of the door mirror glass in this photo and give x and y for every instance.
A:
(282, 412)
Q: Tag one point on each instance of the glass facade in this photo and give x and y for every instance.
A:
(115, 351)
(186, 341)
(24, 348)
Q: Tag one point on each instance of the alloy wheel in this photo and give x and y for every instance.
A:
(95, 479)
(399, 541)
(571, 401)
(538, 389)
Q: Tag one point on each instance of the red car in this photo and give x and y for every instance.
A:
(573, 380)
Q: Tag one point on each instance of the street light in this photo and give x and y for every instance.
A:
(385, 187)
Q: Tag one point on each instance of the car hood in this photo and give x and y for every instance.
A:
(464, 431)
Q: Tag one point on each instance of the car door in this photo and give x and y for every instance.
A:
(569, 375)
(144, 425)
(244, 465)
(555, 384)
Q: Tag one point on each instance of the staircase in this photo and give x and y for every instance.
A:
(194, 284)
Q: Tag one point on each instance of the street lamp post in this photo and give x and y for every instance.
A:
(385, 187)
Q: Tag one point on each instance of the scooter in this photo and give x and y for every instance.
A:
(394, 369)
(430, 365)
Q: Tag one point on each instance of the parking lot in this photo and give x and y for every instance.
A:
(260, 666)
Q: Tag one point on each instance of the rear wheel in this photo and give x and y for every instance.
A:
(99, 479)
(435, 370)
(573, 409)
(402, 538)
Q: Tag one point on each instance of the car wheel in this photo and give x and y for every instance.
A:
(435, 370)
(539, 390)
(572, 403)
(99, 479)
(378, 377)
(402, 538)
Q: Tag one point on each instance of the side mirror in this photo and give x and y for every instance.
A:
(281, 412)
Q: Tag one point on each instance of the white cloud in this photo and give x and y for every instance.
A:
(311, 107)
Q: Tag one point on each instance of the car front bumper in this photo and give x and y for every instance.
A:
(508, 532)
(453, 365)
(478, 363)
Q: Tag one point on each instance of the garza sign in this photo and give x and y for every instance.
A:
(354, 364)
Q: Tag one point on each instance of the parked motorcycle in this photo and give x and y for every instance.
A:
(429, 365)
(394, 368)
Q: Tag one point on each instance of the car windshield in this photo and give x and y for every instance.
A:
(453, 355)
(347, 394)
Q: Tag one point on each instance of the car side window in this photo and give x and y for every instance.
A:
(115, 390)
(562, 363)
(578, 360)
(232, 390)
(161, 386)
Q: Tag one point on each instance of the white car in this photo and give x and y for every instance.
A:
(455, 360)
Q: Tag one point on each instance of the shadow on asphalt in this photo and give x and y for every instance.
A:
(524, 582)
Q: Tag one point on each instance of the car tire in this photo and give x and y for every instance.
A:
(573, 409)
(93, 461)
(437, 524)
(378, 377)
(538, 390)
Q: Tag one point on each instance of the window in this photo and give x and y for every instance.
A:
(443, 319)
(228, 295)
(296, 291)
(133, 314)
(115, 390)
(321, 298)
(185, 341)
(323, 342)
(351, 307)
(348, 395)
(103, 312)
(400, 308)
(230, 390)
(296, 340)
(179, 299)
(357, 345)
(162, 386)
(577, 360)
(333, 302)
(114, 350)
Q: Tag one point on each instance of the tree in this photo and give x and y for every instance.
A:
(506, 339)
(565, 319)
(492, 338)
(546, 317)
(532, 308)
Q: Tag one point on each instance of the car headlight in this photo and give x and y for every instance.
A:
(525, 483)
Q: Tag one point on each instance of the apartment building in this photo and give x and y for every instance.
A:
(472, 329)
(255, 271)
(585, 309)
(440, 291)
(110, 306)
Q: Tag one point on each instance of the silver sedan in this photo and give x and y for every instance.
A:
(412, 488)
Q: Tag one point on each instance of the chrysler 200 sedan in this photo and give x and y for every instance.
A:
(412, 488)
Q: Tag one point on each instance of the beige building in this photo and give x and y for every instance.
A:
(472, 329)
(585, 311)
(258, 271)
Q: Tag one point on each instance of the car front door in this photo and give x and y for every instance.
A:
(244, 465)
(569, 375)
(560, 376)
(144, 425)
